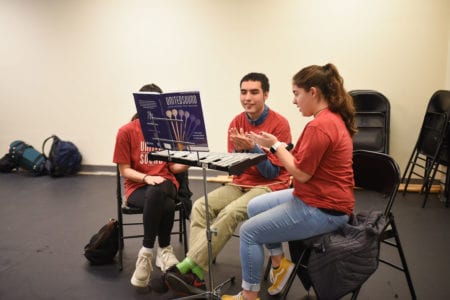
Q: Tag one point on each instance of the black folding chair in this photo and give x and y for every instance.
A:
(372, 119)
(123, 209)
(439, 104)
(431, 148)
(378, 174)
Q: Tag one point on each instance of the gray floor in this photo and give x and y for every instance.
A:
(45, 223)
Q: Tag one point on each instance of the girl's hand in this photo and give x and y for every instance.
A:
(153, 180)
(263, 139)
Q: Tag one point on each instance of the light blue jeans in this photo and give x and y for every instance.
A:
(275, 218)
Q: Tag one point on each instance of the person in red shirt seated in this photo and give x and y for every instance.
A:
(152, 186)
(321, 164)
(228, 203)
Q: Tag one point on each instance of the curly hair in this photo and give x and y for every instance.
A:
(330, 83)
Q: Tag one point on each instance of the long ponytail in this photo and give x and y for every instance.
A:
(331, 84)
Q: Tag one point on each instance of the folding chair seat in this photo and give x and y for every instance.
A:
(124, 210)
(431, 148)
(372, 119)
(376, 175)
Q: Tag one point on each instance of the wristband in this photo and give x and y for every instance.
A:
(275, 146)
(143, 178)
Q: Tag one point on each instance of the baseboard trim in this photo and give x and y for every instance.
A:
(196, 173)
(416, 188)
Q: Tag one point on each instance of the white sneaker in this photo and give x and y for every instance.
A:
(165, 258)
(141, 275)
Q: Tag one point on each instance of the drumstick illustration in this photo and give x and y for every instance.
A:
(169, 115)
(180, 124)
(186, 115)
(174, 114)
(197, 122)
(191, 121)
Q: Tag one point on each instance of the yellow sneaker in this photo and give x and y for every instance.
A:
(235, 297)
(280, 276)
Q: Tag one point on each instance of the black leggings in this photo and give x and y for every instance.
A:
(158, 204)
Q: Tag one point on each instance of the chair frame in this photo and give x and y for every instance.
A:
(384, 183)
(426, 159)
(123, 209)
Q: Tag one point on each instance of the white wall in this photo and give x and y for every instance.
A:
(69, 67)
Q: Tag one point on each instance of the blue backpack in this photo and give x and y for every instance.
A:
(64, 158)
(27, 158)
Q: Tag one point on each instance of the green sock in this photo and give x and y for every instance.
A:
(198, 271)
(186, 265)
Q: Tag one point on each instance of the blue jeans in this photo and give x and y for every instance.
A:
(275, 218)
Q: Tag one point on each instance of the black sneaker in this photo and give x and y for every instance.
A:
(184, 284)
(159, 285)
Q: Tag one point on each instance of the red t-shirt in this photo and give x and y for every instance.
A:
(131, 149)
(325, 151)
(275, 124)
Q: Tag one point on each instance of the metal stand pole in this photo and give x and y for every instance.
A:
(211, 293)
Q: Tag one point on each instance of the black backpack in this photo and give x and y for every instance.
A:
(27, 158)
(64, 157)
(7, 163)
(103, 246)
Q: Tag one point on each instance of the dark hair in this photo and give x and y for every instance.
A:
(147, 88)
(327, 79)
(262, 78)
(151, 88)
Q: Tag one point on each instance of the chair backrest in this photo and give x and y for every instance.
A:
(432, 133)
(372, 119)
(440, 103)
(378, 172)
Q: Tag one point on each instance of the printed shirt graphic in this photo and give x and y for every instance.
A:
(132, 149)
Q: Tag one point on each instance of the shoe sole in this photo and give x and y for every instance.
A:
(139, 283)
(180, 287)
(283, 282)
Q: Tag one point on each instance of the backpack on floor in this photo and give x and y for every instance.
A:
(7, 163)
(64, 158)
(103, 246)
(27, 158)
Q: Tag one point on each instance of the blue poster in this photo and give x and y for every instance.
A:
(172, 121)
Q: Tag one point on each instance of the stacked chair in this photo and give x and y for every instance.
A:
(372, 119)
(431, 149)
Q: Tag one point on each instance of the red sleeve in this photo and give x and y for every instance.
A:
(122, 149)
(312, 145)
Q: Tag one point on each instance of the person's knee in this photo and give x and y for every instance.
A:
(198, 209)
(244, 231)
(251, 209)
(234, 214)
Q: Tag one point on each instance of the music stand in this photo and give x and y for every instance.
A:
(212, 292)
(175, 121)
